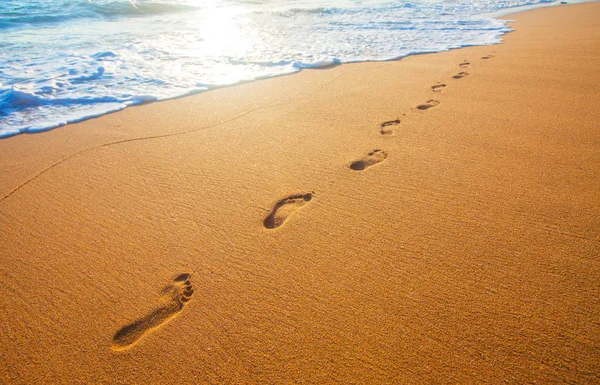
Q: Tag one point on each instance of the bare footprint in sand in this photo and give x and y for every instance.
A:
(438, 87)
(464, 64)
(174, 298)
(385, 130)
(371, 159)
(284, 208)
(460, 75)
(429, 104)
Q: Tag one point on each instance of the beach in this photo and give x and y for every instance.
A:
(429, 220)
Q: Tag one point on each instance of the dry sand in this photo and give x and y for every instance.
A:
(348, 225)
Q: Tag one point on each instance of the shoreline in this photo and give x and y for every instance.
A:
(143, 99)
(527, 8)
(425, 220)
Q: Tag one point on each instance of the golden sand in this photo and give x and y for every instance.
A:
(429, 220)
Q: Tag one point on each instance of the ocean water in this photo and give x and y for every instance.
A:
(63, 61)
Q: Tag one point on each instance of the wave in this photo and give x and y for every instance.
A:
(127, 9)
(84, 71)
(57, 12)
(12, 100)
(446, 8)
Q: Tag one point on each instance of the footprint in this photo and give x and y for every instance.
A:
(428, 105)
(174, 298)
(372, 158)
(284, 208)
(388, 131)
(438, 87)
(488, 57)
(460, 75)
(464, 64)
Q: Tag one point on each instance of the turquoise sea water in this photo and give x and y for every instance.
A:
(63, 61)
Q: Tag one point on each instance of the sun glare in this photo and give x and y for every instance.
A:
(220, 29)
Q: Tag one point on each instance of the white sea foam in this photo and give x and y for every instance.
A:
(63, 61)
